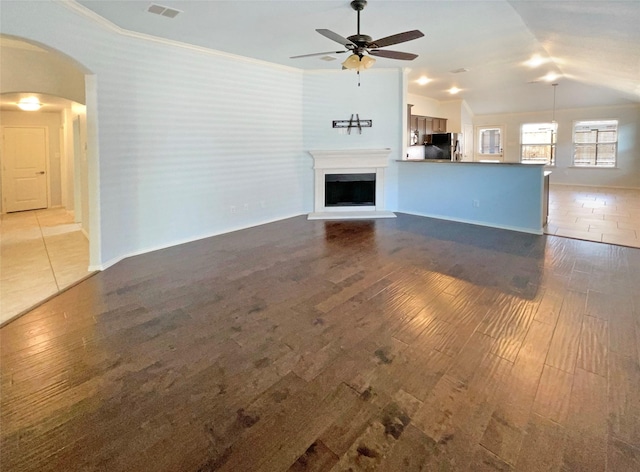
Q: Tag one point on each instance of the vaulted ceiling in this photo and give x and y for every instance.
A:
(592, 47)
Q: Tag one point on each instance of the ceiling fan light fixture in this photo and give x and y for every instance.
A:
(550, 77)
(367, 62)
(351, 62)
(29, 104)
(355, 62)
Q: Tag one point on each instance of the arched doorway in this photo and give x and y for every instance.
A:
(66, 125)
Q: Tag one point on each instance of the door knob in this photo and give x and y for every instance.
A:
(40, 173)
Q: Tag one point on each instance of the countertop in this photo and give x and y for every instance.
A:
(444, 161)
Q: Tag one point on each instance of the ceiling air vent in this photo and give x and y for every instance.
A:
(164, 11)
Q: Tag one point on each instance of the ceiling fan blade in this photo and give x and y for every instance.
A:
(405, 56)
(337, 38)
(317, 54)
(396, 39)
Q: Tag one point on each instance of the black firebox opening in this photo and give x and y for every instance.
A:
(349, 189)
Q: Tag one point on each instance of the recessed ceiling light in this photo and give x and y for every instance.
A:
(424, 80)
(536, 61)
(550, 77)
(327, 58)
(459, 71)
(29, 104)
(454, 90)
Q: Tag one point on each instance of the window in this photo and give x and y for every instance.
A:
(538, 143)
(595, 143)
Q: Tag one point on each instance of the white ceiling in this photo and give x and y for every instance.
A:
(594, 46)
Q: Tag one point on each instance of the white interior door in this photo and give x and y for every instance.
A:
(24, 163)
(467, 137)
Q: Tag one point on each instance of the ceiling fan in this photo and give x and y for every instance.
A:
(359, 45)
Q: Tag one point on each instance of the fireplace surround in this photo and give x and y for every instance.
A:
(354, 170)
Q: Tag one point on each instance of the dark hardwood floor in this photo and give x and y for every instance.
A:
(409, 344)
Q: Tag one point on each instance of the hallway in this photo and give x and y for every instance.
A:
(42, 253)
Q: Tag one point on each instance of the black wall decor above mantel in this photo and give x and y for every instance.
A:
(353, 123)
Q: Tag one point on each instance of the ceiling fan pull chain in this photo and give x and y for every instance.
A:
(358, 78)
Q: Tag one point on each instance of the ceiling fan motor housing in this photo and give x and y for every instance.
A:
(360, 40)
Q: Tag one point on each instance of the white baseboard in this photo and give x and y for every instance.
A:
(115, 260)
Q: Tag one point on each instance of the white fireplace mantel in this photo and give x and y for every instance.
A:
(349, 161)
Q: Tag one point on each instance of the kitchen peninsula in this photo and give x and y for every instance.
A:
(502, 195)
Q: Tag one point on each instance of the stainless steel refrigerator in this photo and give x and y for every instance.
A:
(443, 146)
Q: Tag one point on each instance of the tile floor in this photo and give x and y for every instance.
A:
(41, 253)
(608, 215)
